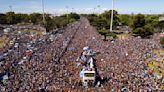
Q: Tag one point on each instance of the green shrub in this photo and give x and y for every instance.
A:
(103, 32)
(162, 41)
(138, 31)
(145, 31)
(111, 34)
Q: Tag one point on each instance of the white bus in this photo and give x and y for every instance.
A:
(88, 78)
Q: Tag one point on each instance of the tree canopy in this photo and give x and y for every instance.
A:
(162, 41)
(103, 20)
(139, 21)
(52, 22)
(143, 26)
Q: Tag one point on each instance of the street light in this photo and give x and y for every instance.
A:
(67, 12)
(67, 9)
(111, 24)
(44, 21)
(99, 9)
(94, 10)
(72, 10)
(10, 8)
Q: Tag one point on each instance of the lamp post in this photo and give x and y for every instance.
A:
(99, 9)
(67, 9)
(111, 24)
(44, 21)
(94, 10)
(10, 8)
(72, 10)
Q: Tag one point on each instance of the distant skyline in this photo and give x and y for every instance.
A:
(83, 6)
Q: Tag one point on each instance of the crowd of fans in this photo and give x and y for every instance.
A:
(121, 62)
(33, 61)
(23, 27)
(47, 62)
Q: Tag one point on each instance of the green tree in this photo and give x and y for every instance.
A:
(162, 41)
(145, 31)
(60, 21)
(143, 26)
(22, 18)
(139, 21)
(125, 19)
(100, 23)
(10, 18)
(152, 20)
(73, 16)
(107, 16)
(160, 25)
(3, 19)
(149, 30)
(139, 32)
(103, 20)
(92, 18)
(36, 18)
(103, 32)
(49, 24)
(112, 34)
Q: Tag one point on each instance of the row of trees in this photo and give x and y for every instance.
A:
(102, 22)
(141, 25)
(144, 26)
(60, 21)
(12, 18)
(52, 22)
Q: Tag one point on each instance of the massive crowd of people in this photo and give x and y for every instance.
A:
(47, 62)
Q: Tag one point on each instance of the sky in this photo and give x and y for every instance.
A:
(83, 6)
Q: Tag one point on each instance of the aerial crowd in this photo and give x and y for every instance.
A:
(47, 62)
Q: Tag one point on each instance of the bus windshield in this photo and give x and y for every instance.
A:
(89, 74)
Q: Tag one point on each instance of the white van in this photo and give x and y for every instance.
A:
(88, 78)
